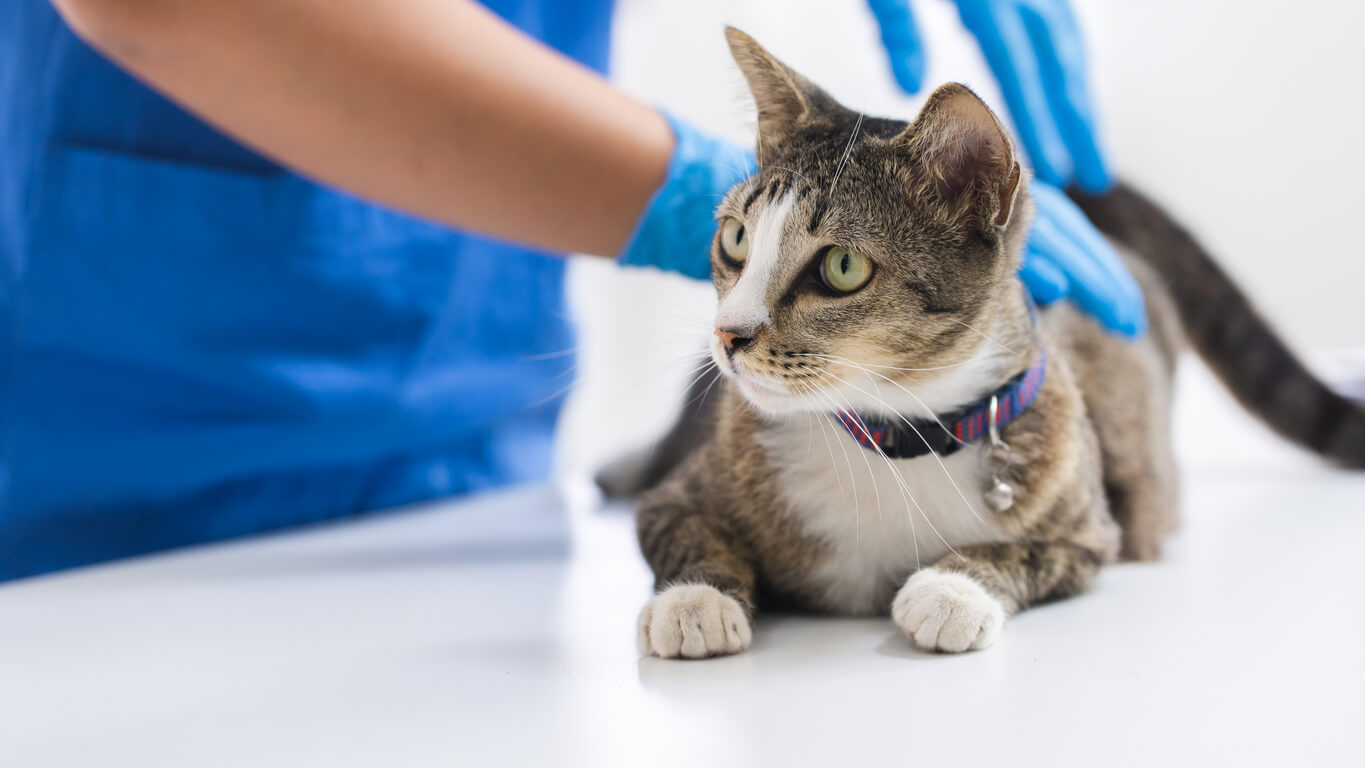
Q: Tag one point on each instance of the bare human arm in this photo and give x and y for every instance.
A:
(434, 107)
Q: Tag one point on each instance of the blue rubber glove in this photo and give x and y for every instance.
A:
(1034, 48)
(1066, 257)
(675, 231)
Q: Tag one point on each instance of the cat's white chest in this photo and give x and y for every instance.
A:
(880, 519)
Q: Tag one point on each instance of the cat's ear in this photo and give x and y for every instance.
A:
(784, 98)
(966, 160)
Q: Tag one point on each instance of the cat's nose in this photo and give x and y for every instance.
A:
(733, 341)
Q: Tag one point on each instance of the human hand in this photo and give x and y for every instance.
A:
(674, 233)
(1066, 257)
(1035, 50)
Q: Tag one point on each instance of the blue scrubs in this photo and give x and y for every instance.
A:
(197, 344)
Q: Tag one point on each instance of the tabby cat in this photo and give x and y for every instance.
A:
(897, 427)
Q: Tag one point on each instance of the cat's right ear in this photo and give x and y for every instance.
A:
(784, 98)
(966, 159)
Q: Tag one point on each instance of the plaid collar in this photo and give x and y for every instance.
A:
(899, 438)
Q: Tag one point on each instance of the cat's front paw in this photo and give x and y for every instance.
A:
(950, 612)
(695, 621)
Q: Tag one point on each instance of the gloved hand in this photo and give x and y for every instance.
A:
(1066, 257)
(1035, 50)
(675, 231)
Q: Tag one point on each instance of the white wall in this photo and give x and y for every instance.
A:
(1242, 117)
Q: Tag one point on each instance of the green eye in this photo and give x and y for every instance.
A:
(845, 271)
(734, 241)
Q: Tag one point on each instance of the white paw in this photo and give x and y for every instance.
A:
(693, 620)
(948, 612)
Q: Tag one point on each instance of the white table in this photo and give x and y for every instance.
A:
(500, 630)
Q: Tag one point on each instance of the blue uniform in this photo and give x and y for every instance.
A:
(199, 344)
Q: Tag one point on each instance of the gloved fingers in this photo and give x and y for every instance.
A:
(1009, 51)
(675, 230)
(902, 41)
(1044, 281)
(1060, 50)
(1053, 205)
(1100, 284)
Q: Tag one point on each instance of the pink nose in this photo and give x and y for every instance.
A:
(732, 341)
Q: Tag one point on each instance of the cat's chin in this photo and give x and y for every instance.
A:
(769, 398)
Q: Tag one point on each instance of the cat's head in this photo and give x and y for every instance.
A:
(862, 247)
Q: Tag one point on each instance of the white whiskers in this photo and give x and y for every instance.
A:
(986, 336)
(907, 495)
(848, 150)
(918, 434)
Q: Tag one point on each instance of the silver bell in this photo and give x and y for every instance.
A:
(1000, 496)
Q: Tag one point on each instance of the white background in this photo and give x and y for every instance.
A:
(1242, 118)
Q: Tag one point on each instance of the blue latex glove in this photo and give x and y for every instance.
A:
(1034, 48)
(1066, 257)
(675, 231)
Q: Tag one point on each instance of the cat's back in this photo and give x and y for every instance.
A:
(1120, 378)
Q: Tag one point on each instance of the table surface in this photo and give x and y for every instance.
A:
(500, 630)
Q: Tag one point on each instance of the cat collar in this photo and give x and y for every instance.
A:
(900, 438)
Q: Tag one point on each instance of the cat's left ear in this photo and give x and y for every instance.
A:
(784, 98)
(965, 159)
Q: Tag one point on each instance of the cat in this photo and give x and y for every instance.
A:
(871, 328)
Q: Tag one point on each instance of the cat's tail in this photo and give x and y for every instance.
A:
(1237, 343)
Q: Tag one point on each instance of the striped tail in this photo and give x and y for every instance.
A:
(1232, 337)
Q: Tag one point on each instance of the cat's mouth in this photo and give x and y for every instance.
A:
(766, 394)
